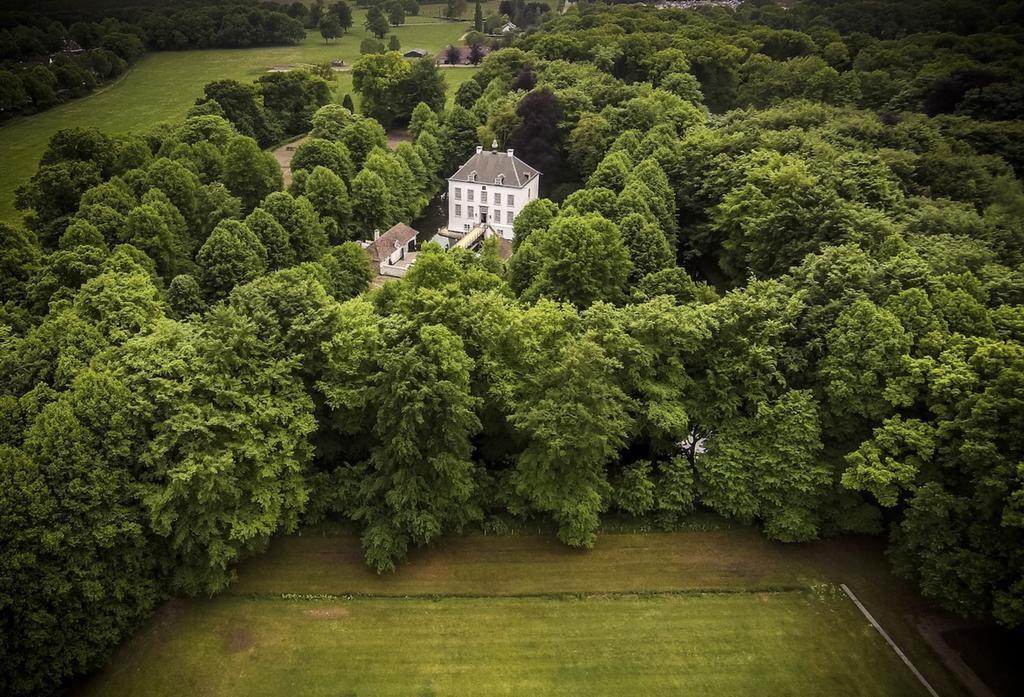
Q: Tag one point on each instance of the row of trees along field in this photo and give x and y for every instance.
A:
(48, 59)
(189, 364)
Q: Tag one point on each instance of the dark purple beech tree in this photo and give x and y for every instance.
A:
(538, 139)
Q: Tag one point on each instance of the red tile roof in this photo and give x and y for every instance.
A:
(382, 247)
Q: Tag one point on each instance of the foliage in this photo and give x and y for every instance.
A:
(804, 313)
(579, 260)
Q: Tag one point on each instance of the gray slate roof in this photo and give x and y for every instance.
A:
(488, 164)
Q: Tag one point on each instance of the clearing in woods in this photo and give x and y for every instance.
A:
(162, 86)
(720, 612)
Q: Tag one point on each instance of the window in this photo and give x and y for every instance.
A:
(471, 211)
(483, 197)
(509, 215)
(497, 215)
(511, 200)
(458, 210)
(458, 194)
(497, 199)
(469, 194)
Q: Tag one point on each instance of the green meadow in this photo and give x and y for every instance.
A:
(720, 612)
(163, 85)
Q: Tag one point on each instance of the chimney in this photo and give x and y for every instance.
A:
(376, 233)
(479, 149)
(510, 151)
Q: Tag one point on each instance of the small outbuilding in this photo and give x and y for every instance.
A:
(415, 53)
(393, 252)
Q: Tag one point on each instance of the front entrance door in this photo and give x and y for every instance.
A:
(483, 215)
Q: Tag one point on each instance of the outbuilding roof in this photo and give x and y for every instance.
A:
(495, 167)
(398, 236)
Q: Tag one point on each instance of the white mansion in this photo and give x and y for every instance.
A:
(489, 191)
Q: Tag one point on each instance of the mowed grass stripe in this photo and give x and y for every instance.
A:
(740, 559)
(729, 560)
(739, 644)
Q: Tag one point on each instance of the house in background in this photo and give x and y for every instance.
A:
(393, 252)
(489, 191)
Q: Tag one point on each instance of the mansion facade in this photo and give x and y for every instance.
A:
(489, 191)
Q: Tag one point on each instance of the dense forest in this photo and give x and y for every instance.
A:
(779, 275)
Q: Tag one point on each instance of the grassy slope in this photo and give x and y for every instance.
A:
(776, 631)
(164, 85)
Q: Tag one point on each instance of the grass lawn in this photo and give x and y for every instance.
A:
(765, 644)
(162, 86)
(485, 615)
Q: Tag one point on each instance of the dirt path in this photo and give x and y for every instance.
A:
(284, 155)
(932, 627)
(398, 136)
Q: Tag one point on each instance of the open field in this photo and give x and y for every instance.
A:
(764, 644)
(721, 612)
(163, 86)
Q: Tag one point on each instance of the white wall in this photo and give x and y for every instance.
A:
(521, 196)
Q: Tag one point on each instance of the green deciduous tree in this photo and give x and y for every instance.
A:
(780, 213)
(561, 469)
(377, 79)
(306, 235)
(361, 138)
(274, 237)
(330, 27)
(231, 255)
(376, 22)
(329, 197)
(185, 296)
(536, 215)
(419, 480)
(648, 249)
(582, 260)
(226, 464)
(370, 203)
(250, 173)
(768, 465)
(347, 271)
(330, 121)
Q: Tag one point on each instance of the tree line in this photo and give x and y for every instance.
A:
(45, 61)
(164, 231)
(761, 54)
